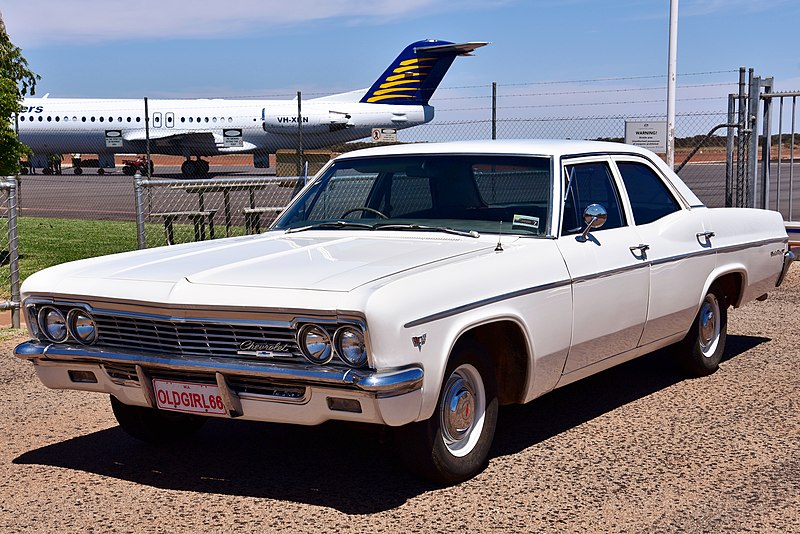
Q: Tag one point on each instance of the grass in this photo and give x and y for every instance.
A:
(47, 242)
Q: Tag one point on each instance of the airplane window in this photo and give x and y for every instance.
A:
(40, 118)
(75, 118)
(215, 119)
(102, 119)
(119, 119)
(58, 119)
(230, 119)
(48, 118)
(111, 119)
(183, 119)
(83, 119)
(129, 119)
(22, 118)
(138, 119)
(92, 119)
(198, 119)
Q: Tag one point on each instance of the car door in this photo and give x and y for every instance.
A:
(680, 247)
(610, 278)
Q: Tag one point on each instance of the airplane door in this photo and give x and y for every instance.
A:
(157, 120)
(169, 120)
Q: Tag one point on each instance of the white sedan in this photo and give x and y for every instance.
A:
(415, 286)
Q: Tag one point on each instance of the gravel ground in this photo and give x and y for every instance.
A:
(635, 449)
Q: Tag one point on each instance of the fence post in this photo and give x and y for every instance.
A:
(300, 156)
(147, 134)
(494, 110)
(729, 178)
(741, 154)
(13, 252)
(138, 186)
(766, 146)
(753, 124)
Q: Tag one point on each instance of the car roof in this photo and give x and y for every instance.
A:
(537, 147)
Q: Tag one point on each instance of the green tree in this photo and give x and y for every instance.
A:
(16, 80)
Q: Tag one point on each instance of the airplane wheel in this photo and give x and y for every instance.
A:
(101, 171)
(189, 168)
(77, 170)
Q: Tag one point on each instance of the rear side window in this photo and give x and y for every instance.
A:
(649, 196)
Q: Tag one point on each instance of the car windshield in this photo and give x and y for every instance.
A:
(469, 194)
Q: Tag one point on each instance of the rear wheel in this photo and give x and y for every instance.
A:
(700, 352)
(453, 445)
(155, 426)
(77, 170)
(101, 171)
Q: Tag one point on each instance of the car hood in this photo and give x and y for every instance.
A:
(318, 260)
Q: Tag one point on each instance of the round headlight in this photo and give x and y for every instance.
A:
(315, 343)
(53, 324)
(82, 326)
(350, 346)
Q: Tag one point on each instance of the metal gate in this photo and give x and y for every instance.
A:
(763, 147)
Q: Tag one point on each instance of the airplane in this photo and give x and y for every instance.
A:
(209, 127)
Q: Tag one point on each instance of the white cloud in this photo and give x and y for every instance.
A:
(37, 23)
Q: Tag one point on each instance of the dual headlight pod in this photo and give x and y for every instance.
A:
(319, 347)
(77, 323)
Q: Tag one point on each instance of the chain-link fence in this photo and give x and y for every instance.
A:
(9, 249)
(178, 211)
(89, 193)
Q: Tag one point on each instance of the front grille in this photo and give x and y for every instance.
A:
(195, 338)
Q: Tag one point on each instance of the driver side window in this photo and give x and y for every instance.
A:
(590, 183)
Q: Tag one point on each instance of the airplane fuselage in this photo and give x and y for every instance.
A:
(200, 127)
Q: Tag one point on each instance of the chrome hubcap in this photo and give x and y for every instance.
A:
(459, 409)
(709, 325)
(462, 409)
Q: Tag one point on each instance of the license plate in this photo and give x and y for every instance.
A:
(188, 397)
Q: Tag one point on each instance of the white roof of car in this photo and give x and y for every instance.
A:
(542, 147)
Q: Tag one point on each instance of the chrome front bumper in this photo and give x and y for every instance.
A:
(385, 383)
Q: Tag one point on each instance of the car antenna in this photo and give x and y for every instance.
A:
(499, 247)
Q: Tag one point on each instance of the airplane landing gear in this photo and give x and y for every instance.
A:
(194, 168)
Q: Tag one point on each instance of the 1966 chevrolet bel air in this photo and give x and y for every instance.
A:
(415, 286)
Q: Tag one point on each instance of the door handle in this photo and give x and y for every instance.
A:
(641, 247)
(705, 235)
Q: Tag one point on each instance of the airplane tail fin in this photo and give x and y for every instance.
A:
(415, 74)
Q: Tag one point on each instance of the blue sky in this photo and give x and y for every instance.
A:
(252, 48)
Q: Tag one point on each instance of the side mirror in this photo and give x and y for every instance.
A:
(594, 216)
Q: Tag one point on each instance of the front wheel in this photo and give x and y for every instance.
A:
(156, 427)
(453, 445)
(700, 352)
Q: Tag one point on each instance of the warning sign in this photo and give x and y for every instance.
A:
(113, 138)
(233, 137)
(384, 135)
(651, 135)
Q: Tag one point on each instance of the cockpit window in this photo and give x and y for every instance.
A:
(485, 194)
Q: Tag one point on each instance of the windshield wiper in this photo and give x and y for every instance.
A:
(331, 224)
(445, 229)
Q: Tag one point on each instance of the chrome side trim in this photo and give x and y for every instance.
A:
(611, 272)
(385, 383)
(485, 302)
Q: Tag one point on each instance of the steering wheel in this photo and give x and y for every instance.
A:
(364, 208)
